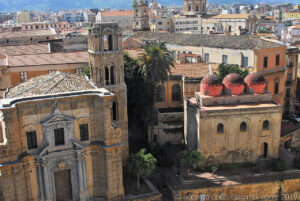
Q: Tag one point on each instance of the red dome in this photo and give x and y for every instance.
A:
(256, 83)
(234, 84)
(211, 85)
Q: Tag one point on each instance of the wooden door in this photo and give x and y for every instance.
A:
(63, 186)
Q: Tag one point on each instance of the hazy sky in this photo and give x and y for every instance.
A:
(15, 5)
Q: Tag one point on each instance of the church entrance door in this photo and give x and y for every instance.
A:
(63, 185)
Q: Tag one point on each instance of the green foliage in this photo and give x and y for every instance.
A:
(190, 158)
(279, 165)
(156, 62)
(139, 93)
(87, 71)
(225, 69)
(141, 164)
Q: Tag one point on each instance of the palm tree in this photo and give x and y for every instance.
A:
(156, 62)
(141, 164)
(190, 159)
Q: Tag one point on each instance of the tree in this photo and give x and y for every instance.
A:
(139, 104)
(213, 170)
(190, 159)
(225, 69)
(156, 62)
(87, 71)
(141, 164)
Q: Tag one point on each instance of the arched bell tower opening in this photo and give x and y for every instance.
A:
(106, 59)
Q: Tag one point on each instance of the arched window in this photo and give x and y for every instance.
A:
(276, 85)
(106, 76)
(243, 127)
(112, 75)
(220, 129)
(176, 93)
(110, 43)
(266, 125)
(160, 93)
(114, 111)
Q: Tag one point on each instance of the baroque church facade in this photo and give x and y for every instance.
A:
(64, 137)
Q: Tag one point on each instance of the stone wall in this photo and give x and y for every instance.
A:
(287, 189)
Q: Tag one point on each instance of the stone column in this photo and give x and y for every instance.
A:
(46, 181)
(79, 163)
(84, 173)
(42, 197)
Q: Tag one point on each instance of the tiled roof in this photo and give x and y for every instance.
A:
(24, 49)
(117, 13)
(47, 59)
(288, 127)
(53, 83)
(196, 70)
(231, 16)
(20, 34)
(216, 41)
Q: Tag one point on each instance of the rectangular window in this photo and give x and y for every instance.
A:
(23, 76)
(59, 136)
(265, 62)
(31, 140)
(277, 60)
(288, 92)
(79, 71)
(245, 62)
(206, 57)
(84, 132)
(289, 78)
(224, 59)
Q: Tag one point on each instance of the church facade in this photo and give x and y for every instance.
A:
(64, 137)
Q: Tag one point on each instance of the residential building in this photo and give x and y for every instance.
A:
(26, 37)
(293, 34)
(290, 15)
(58, 26)
(183, 24)
(141, 15)
(19, 68)
(161, 24)
(243, 123)
(123, 17)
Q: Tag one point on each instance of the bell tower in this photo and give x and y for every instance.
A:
(106, 59)
(141, 15)
(194, 7)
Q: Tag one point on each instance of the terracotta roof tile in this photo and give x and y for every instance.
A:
(53, 83)
(197, 70)
(24, 49)
(47, 59)
(20, 34)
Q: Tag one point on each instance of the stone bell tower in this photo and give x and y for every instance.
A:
(106, 58)
(141, 15)
(194, 7)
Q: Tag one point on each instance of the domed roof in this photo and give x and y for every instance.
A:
(233, 78)
(255, 78)
(211, 80)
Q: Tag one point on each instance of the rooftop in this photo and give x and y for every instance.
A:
(288, 127)
(24, 49)
(45, 59)
(197, 70)
(216, 41)
(53, 83)
(231, 16)
(20, 34)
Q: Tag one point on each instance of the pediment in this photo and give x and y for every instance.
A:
(56, 118)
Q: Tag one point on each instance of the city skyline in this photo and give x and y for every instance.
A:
(15, 5)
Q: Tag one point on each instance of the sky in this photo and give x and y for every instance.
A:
(15, 5)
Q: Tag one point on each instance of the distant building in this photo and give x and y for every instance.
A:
(293, 34)
(158, 24)
(290, 15)
(141, 15)
(23, 17)
(191, 24)
(194, 7)
(124, 18)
